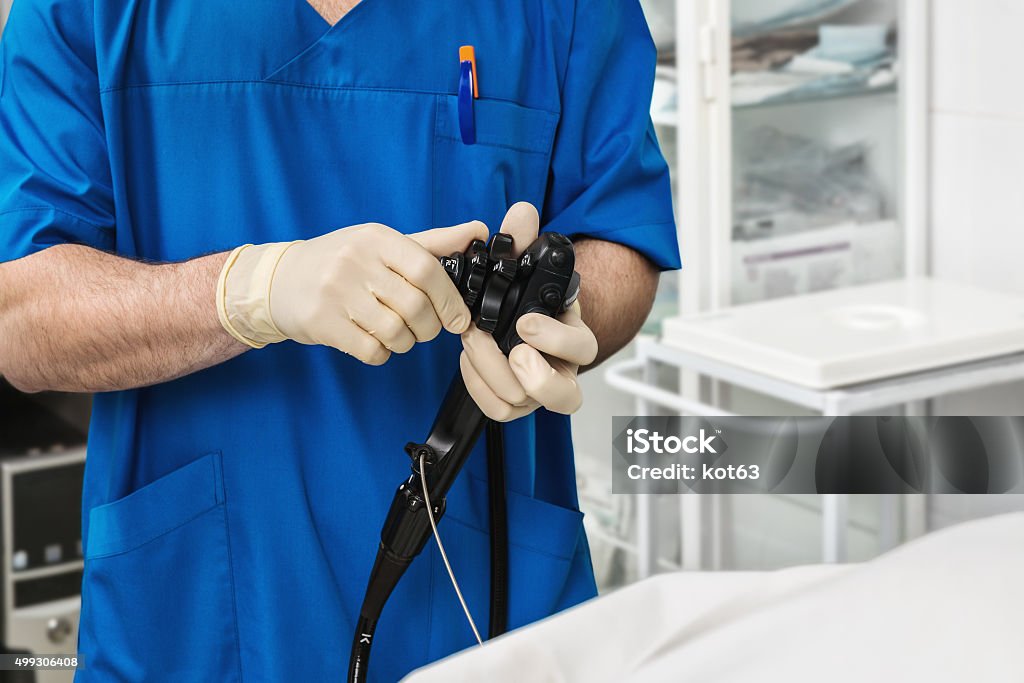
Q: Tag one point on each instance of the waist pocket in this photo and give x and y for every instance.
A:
(543, 542)
(158, 597)
(508, 163)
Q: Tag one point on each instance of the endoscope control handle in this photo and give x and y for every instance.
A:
(548, 285)
(568, 299)
(499, 290)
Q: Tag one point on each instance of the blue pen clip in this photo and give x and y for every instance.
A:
(467, 93)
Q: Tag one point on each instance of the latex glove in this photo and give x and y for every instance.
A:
(367, 290)
(541, 371)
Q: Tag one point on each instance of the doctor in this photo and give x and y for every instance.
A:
(202, 203)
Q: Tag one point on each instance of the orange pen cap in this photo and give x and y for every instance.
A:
(468, 54)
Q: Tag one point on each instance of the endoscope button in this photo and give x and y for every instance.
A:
(559, 258)
(513, 341)
(551, 295)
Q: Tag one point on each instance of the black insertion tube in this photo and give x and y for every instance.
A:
(385, 575)
(407, 528)
(499, 529)
(359, 661)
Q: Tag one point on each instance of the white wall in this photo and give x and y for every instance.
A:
(977, 183)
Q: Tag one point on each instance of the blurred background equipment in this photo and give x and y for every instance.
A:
(788, 183)
(796, 134)
(42, 460)
(815, 145)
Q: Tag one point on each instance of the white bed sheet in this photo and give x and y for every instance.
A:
(947, 607)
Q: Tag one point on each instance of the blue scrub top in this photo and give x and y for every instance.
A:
(231, 517)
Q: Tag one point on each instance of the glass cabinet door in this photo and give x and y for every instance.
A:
(815, 146)
(783, 123)
(815, 172)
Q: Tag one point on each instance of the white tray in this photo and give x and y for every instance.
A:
(857, 334)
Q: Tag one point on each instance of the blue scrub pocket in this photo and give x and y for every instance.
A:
(543, 540)
(508, 163)
(158, 598)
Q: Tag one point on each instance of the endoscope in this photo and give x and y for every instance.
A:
(498, 289)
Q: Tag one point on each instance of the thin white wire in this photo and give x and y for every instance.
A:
(444, 555)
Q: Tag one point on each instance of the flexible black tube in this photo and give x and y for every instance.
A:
(455, 431)
(385, 575)
(359, 661)
(499, 529)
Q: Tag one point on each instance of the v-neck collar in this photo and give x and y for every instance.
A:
(323, 15)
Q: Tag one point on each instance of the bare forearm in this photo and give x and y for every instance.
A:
(76, 319)
(617, 292)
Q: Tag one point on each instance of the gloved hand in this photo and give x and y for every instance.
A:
(367, 290)
(541, 371)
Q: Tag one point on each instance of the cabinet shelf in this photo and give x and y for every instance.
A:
(799, 97)
(670, 117)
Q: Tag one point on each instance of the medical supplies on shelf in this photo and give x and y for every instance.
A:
(815, 260)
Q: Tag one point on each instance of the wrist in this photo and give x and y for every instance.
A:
(243, 293)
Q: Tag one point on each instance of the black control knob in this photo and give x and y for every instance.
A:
(551, 296)
(455, 266)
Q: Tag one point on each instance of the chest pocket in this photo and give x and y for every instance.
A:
(508, 163)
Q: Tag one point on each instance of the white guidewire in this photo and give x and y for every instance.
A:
(444, 555)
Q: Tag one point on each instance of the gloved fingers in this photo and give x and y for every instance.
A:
(384, 324)
(552, 384)
(447, 241)
(422, 270)
(492, 366)
(489, 402)
(522, 222)
(411, 304)
(348, 337)
(566, 337)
